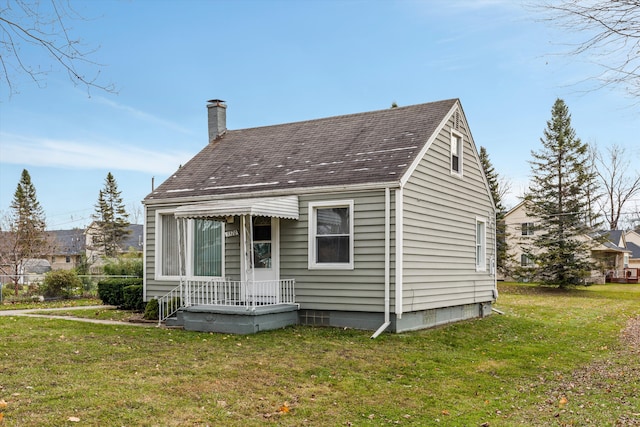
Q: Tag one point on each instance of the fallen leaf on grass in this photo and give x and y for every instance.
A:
(445, 412)
(1, 416)
(563, 401)
(284, 408)
(3, 404)
(74, 419)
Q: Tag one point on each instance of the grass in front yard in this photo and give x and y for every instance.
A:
(554, 358)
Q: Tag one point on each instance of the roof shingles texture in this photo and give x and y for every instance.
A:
(372, 147)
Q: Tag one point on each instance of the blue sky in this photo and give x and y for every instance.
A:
(282, 61)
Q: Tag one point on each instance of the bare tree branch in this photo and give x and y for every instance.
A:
(619, 186)
(611, 36)
(28, 30)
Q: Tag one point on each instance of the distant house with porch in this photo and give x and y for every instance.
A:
(610, 250)
(380, 220)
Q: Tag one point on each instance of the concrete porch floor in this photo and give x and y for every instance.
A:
(235, 319)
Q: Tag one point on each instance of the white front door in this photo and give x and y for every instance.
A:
(265, 248)
(264, 268)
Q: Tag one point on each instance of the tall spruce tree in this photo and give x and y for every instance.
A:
(496, 192)
(559, 199)
(110, 219)
(27, 237)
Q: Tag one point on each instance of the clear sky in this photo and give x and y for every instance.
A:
(282, 61)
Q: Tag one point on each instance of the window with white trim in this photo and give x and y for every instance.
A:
(331, 235)
(481, 246)
(456, 152)
(206, 258)
(205, 247)
(168, 251)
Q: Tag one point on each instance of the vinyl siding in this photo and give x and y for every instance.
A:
(360, 289)
(160, 286)
(439, 234)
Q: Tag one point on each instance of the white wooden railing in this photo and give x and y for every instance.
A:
(225, 292)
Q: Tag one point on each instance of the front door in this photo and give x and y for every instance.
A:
(263, 272)
(265, 248)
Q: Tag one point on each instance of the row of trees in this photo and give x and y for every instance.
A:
(24, 234)
(574, 191)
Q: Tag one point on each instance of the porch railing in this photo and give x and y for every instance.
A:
(170, 303)
(239, 293)
(225, 292)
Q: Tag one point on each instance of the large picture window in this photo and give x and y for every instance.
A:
(207, 248)
(331, 235)
(169, 248)
(204, 247)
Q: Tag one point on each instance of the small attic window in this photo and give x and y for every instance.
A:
(456, 153)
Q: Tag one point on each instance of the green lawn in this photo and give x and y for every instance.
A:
(554, 358)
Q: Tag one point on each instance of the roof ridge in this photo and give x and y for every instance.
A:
(347, 115)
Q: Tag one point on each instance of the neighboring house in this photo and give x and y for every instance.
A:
(33, 270)
(381, 220)
(68, 248)
(633, 244)
(133, 241)
(610, 251)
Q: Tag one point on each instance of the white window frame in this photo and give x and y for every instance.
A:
(481, 244)
(313, 206)
(457, 150)
(189, 250)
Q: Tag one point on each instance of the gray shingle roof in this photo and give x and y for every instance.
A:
(68, 242)
(371, 147)
(635, 249)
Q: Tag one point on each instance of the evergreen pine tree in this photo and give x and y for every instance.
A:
(110, 218)
(27, 225)
(558, 199)
(496, 193)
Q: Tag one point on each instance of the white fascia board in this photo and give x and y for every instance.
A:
(427, 145)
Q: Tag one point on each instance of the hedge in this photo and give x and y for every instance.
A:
(133, 298)
(112, 292)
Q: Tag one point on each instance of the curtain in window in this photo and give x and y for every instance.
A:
(332, 235)
(207, 248)
(170, 249)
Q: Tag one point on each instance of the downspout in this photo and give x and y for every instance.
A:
(494, 263)
(387, 262)
(399, 250)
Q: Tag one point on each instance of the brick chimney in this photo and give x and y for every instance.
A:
(217, 110)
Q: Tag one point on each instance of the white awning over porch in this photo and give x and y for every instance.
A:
(278, 207)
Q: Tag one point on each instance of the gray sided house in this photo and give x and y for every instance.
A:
(380, 220)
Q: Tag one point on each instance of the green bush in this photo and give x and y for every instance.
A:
(60, 283)
(124, 266)
(8, 290)
(133, 298)
(111, 291)
(151, 310)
